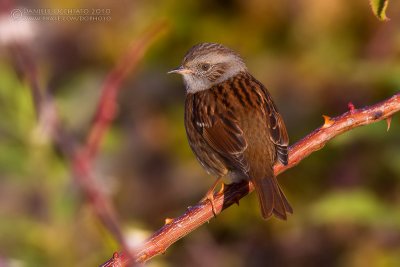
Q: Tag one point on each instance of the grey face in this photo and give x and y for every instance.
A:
(208, 64)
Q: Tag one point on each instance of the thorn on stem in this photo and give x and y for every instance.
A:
(168, 220)
(115, 261)
(327, 121)
(388, 122)
(351, 107)
(142, 258)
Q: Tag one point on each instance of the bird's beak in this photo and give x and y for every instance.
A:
(180, 70)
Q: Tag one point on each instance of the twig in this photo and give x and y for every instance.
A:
(106, 109)
(174, 229)
(50, 122)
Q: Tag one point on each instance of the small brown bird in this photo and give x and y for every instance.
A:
(232, 124)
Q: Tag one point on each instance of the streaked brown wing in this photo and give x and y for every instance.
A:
(279, 135)
(208, 158)
(226, 138)
(214, 134)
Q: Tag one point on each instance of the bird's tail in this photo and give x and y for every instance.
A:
(272, 199)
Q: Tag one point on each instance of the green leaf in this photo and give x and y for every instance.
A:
(379, 8)
(356, 206)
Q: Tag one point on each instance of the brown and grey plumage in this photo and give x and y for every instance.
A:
(232, 124)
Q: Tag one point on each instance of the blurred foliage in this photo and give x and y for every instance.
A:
(314, 56)
(379, 8)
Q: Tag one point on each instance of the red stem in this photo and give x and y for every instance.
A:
(202, 212)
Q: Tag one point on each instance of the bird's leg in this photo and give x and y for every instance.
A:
(210, 194)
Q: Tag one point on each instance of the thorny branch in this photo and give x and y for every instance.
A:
(195, 216)
(80, 157)
(106, 109)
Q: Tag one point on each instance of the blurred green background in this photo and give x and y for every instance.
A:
(314, 56)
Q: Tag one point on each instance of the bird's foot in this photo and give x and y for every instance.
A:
(210, 196)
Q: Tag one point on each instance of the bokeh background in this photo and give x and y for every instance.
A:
(314, 56)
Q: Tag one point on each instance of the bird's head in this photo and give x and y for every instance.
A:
(207, 64)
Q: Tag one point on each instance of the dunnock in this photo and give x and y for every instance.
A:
(232, 124)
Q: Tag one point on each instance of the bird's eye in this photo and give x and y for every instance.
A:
(205, 66)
